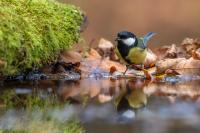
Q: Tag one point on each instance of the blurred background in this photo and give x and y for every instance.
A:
(172, 19)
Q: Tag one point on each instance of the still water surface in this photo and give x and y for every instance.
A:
(104, 105)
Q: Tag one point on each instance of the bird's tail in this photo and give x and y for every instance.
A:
(147, 37)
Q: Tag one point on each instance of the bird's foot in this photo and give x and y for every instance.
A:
(147, 75)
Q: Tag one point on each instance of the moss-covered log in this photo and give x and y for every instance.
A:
(33, 32)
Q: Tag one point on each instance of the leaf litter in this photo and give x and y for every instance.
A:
(102, 62)
(175, 60)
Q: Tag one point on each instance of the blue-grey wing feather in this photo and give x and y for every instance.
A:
(147, 37)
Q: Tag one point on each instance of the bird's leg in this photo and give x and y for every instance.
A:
(148, 76)
(127, 67)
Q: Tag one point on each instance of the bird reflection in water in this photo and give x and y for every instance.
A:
(131, 100)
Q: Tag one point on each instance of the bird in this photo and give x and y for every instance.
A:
(132, 50)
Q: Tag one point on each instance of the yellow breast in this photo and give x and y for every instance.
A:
(137, 55)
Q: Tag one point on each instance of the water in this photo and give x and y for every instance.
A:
(105, 105)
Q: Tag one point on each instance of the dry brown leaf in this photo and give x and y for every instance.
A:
(151, 59)
(93, 55)
(160, 52)
(190, 45)
(172, 51)
(107, 64)
(165, 64)
(88, 66)
(181, 65)
(70, 56)
(196, 54)
(94, 62)
(106, 49)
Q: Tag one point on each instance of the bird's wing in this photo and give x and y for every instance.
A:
(141, 43)
(147, 37)
(119, 55)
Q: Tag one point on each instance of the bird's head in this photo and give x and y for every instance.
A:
(126, 38)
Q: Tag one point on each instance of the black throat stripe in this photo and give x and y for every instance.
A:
(124, 49)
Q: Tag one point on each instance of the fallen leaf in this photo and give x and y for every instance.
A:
(160, 52)
(107, 64)
(196, 54)
(105, 46)
(95, 64)
(93, 55)
(181, 65)
(150, 60)
(106, 49)
(160, 77)
(70, 56)
(190, 45)
(171, 52)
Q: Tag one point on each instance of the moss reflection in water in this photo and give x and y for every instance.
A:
(30, 113)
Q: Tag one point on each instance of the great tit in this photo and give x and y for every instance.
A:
(130, 49)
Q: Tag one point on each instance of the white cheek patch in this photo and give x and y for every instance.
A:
(129, 41)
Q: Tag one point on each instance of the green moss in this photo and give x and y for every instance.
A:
(33, 32)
